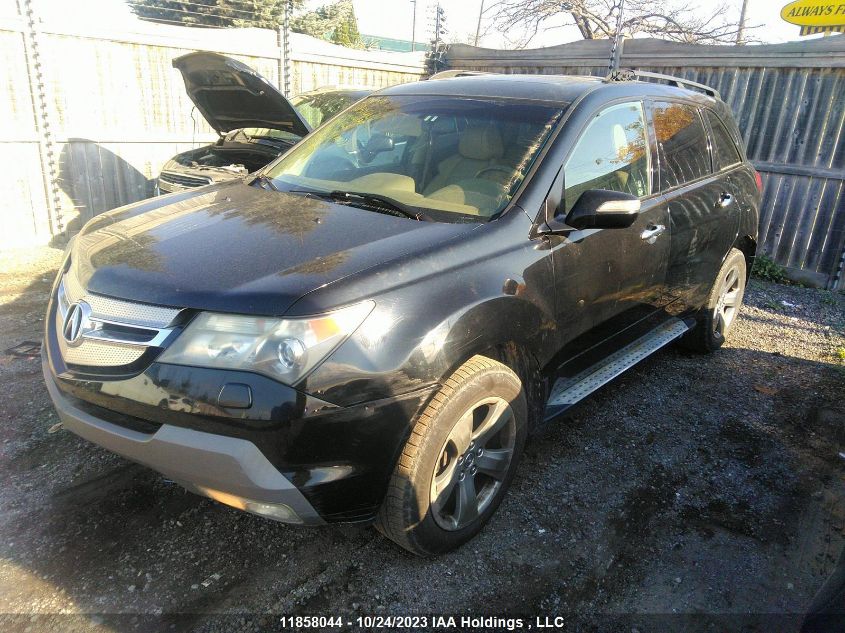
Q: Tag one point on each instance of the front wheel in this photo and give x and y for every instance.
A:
(459, 460)
(717, 318)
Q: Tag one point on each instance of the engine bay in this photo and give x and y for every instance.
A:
(236, 160)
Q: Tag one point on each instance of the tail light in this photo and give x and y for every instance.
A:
(759, 180)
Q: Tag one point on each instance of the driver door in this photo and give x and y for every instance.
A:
(609, 279)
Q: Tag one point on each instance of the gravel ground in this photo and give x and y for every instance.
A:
(690, 485)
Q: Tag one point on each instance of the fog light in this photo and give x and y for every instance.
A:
(277, 511)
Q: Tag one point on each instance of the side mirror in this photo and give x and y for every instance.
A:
(603, 209)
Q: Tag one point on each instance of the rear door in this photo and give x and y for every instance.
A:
(700, 199)
(737, 179)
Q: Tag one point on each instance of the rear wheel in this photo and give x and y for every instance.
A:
(717, 318)
(459, 460)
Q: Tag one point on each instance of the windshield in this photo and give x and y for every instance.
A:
(459, 157)
(316, 107)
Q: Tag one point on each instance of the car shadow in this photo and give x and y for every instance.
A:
(95, 179)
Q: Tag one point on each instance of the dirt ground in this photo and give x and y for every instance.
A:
(689, 491)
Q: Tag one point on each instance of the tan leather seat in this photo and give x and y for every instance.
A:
(479, 147)
(476, 195)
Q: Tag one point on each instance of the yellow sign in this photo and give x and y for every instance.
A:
(815, 12)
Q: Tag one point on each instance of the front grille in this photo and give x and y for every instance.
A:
(184, 180)
(98, 354)
(117, 333)
(108, 309)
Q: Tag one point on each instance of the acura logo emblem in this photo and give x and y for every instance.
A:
(76, 321)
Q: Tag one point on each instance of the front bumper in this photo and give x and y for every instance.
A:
(228, 469)
(327, 463)
(238, 437)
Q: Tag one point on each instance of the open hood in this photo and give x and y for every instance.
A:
(231, 95)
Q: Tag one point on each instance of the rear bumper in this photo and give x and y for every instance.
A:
(228, 469)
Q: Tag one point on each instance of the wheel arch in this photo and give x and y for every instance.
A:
(517, 328)
(524, 364)
(748, 245)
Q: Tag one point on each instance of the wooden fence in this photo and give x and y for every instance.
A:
(789, 101)
(90, 111)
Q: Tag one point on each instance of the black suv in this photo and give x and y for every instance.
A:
(368, 329)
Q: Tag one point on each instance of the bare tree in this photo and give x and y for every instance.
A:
(673, 20)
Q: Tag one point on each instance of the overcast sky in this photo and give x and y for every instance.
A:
(393, 19)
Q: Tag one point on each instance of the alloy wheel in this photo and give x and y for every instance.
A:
(729, 301)
(473, 463)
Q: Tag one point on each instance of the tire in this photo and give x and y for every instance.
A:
(462, 452)
(715, 320)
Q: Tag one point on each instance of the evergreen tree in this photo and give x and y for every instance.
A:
(267, 14)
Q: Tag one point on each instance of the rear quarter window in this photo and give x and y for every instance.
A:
(682, 143)
(725, 152)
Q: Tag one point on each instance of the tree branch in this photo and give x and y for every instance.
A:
(596, 19)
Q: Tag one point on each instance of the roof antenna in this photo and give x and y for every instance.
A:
(614, 73)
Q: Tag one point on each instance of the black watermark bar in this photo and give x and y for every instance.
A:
(469, 623)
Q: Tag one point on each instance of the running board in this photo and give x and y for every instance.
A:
(568, 391)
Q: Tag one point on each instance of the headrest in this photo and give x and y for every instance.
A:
(620, 140)
(481, 143)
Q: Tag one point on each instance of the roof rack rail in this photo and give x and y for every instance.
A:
(457, 72)
(632, 74)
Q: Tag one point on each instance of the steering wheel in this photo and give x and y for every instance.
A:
(505, 170)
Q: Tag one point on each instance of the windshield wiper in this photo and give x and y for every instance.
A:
(377, 200)
(374, 200)
(265, 182)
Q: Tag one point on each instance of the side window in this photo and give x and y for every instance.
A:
(612, 153)
(725, 153)
(682, 143)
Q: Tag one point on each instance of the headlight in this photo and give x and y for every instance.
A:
(285, 349)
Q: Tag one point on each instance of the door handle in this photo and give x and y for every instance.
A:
(651, 233)
(725, 200)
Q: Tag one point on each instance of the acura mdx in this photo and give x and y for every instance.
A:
(368, 328)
